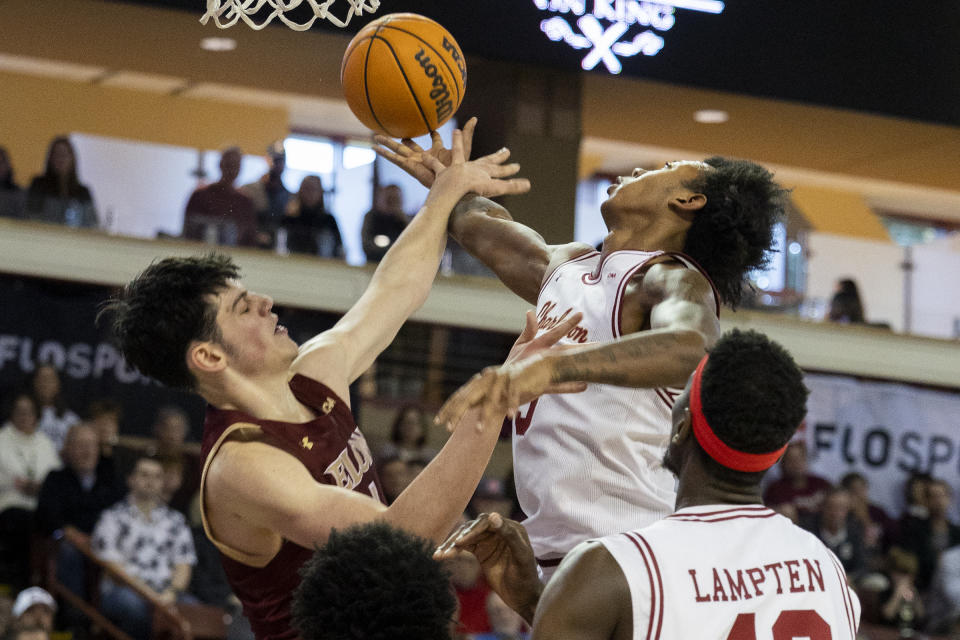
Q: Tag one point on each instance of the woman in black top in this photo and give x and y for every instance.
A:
(57, 196)
(310, 228)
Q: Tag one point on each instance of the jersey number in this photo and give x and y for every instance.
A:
(522, 422)
(790, 624)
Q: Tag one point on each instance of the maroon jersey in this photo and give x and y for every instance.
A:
(332, 448)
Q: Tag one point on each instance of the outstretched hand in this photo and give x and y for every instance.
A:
(505, 555)
(409, 156)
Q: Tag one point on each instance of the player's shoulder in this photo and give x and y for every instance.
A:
(587, 563)
(563, 253)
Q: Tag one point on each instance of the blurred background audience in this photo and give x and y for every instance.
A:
(56, 195)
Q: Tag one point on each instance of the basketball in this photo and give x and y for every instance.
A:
(403, 75)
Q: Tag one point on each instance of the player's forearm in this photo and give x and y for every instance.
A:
(656, 358)
(433, 503)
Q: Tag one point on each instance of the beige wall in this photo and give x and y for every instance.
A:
(35, 109)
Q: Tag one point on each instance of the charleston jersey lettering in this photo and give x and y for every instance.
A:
(727, 572)
(590, 464)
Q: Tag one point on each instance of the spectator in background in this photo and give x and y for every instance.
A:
(928, 538)
(28, 633)
(57, 196)
(148, 541)
(915, 496)
(181, 464)
(901, 605)
(839, 531)
(491, 497)
(104, 416)
(269, 196)
(877, 526)
(383, 224)
(11, 195)
(408, 436)
(6, 615)
(78, 493)
(75, 496)
(395, 476)
(26, 457)
(943, 601)
(846, 306)
(797, 489)
(34, 608)
(219, 213)
(310, 228)
(55, 418)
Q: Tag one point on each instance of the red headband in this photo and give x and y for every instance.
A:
(714, 446)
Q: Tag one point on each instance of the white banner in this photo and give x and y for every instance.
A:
(884, 430)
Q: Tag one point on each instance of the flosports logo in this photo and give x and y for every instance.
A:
(605, 28)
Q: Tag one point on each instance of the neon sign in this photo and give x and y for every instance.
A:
(605, 29)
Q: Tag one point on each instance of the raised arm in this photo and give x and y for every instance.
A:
(402, 280)
(517, 254)
(682, 326)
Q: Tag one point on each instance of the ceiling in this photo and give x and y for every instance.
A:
(897, 164)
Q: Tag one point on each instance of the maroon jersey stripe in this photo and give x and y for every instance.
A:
(654, 595)
(656, 567)
(847, 603)
(737, 517)
(751, 508)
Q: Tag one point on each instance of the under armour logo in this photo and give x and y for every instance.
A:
(306, 444)
(611, 275)
(328, 406)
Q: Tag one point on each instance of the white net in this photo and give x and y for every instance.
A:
(226, 13)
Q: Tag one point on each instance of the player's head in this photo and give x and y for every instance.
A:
(185, 321)
(731, 234)
(373, 582)
(751, 401)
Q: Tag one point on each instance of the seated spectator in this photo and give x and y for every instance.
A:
(57, 196)
(408, 436)
(928, 538)
(75, 496)
(839, 531)
(149, 542)
(915, 494)
(394, 476)
(55, 418)
(878, 528)
(310, 228)
(11, 195)
(505, 623)
(797, 488)
(26, 457)
(901, 605)
(219, 213)
(269, 195)
(104, 416)
(491, 497)
(382, 224)
(846, 306)
(943, 600)
(78, 493)
(34, 608)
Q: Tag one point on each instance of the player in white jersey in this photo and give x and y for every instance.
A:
(590, 464)
(723, 566)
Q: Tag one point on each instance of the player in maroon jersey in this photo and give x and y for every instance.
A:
(284, 462)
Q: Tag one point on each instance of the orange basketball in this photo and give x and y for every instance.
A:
(403, 75)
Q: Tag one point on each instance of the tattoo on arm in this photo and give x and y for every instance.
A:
(613, 362)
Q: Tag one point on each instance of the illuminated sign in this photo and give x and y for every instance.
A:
(606, 29)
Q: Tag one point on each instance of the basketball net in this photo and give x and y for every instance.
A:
(226, 13)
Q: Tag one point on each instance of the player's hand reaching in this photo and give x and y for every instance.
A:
(488, 176)
(503, 549)
(523, 377)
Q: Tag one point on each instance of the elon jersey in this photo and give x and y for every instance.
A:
(590, 464)
(733, 572)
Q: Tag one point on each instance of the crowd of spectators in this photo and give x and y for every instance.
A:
(263, 214)
(906, 569)
(136, 504)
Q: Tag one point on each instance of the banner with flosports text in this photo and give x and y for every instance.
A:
(884, 430)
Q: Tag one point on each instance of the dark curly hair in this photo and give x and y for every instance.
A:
(731, 235)
(164, 309)
(753, 396)
(374, 582)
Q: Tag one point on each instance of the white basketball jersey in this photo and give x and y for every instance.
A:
(727, 572)
(590, 464)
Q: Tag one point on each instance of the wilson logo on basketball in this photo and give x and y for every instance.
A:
(440, 94)
(451, 48)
